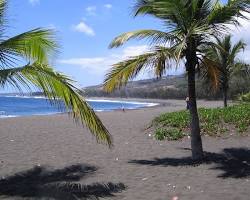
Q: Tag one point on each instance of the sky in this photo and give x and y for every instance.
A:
(84, 30)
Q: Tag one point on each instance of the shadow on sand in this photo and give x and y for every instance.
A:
(41, 182)
(234, 162)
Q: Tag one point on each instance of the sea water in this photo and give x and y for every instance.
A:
(14, 106)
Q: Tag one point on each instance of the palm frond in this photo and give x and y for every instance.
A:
(229, 13)
(211, 73)
(220, 59)
(124, 71)
(236, 49)
(35, 45)
(3, 5)
(154, 36)
(172, 12)
(158, 59)
(57, 86)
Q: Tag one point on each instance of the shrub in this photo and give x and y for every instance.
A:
(169, 134)
(245, 97)
(213, 121)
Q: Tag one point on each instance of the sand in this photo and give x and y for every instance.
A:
(150, 170)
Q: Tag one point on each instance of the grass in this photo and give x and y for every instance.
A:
(213, 122)
(245, 97)
(171, 134)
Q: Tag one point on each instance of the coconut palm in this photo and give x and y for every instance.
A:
(35, 49)
(224, 64)
(188, 25)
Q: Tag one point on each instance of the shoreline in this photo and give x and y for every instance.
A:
(152, 103)
(137, 105)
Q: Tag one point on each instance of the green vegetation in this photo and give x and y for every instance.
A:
(36, 48)
(220, 64)
(245, 97)
(189, 26)
(170, 87)
(213, 121)
(170, 134)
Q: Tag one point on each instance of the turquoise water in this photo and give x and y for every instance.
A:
(14, 106)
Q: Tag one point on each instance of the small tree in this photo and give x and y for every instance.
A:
(221, 64)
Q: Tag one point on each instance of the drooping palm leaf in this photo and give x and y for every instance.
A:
(38, 47)
(56, 87)
(158, 60)
(211, 73)
(35, 45)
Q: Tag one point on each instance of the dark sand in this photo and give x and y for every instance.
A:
(151, 170)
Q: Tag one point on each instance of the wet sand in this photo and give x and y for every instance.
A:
(150, 170)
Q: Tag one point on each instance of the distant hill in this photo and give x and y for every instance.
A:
(169, 87)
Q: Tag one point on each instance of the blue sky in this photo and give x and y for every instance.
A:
(84, 29)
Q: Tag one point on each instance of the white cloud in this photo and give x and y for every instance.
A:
(108, 6)
(134, 50)
(84, 28)
(91, 10)
(242, 32)
(99, 65)
(34, 2)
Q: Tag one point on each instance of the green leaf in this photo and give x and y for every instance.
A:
(55, 87)
(36, 45)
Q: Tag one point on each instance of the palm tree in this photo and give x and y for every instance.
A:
(36, 48)
(221, 64)
(189, 25)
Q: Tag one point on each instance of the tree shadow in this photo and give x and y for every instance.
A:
(42, 182)
(234, 162)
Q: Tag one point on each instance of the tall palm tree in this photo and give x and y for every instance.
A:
(221, 64)
(188, 25)
(35, 48)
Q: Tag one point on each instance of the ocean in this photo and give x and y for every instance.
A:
(15, 106)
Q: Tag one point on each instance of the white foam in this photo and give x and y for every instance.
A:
(98, 110)
(146, 104)
(26, 97)
(8, 116)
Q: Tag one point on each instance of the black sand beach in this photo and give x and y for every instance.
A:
(150, 170)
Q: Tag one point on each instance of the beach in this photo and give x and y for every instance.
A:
(150, 169)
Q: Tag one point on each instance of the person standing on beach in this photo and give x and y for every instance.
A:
(187, 101)
(123, 109)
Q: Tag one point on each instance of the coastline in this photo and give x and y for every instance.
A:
(152, 103)
(98, 106)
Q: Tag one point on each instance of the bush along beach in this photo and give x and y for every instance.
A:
(214, 122)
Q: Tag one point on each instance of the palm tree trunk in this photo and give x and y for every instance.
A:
(196, 142)
(225, 97)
